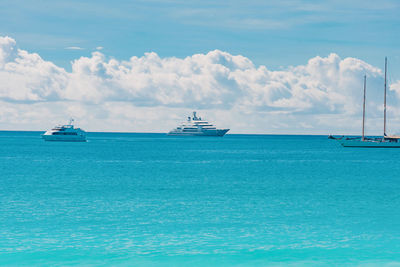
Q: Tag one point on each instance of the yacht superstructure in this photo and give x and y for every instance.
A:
(65, 132)
(195, 126)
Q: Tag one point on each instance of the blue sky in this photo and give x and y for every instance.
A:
(273, 33)
(263, 66)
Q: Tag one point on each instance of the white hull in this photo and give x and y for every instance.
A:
(218, 132)
(64, 138)
(75, 138)
(368, 143)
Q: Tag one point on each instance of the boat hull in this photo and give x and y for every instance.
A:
(59, 138)
(368, 143)
(218, 132)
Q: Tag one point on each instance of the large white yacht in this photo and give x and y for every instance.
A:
(195, 126)
(65, 133)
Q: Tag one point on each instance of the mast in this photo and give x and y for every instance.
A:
(363, 120)
(384, 102)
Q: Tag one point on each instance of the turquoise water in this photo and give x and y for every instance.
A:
(154, 200)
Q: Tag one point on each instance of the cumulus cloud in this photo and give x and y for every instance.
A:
(26, 77)
(136, 94)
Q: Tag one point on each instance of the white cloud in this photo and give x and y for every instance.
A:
(395, 87)
(74, 48)
(7, 50)
(99, 48)
(26, 77)
(150, 93)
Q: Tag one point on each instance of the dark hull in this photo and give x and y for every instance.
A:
(369, 144)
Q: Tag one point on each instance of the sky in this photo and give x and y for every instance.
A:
(267, 67)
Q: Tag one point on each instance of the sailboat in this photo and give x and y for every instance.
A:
(384, 141)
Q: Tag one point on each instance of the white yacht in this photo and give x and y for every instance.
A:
(65, 133)
(195, 126)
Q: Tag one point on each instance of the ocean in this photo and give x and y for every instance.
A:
(125, 199)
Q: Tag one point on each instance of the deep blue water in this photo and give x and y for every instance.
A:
(155, 200)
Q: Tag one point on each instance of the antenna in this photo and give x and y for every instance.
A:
(363, 120)
(71, 121)
(384, 102)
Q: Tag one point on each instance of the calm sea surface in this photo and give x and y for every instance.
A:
(155, 200)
